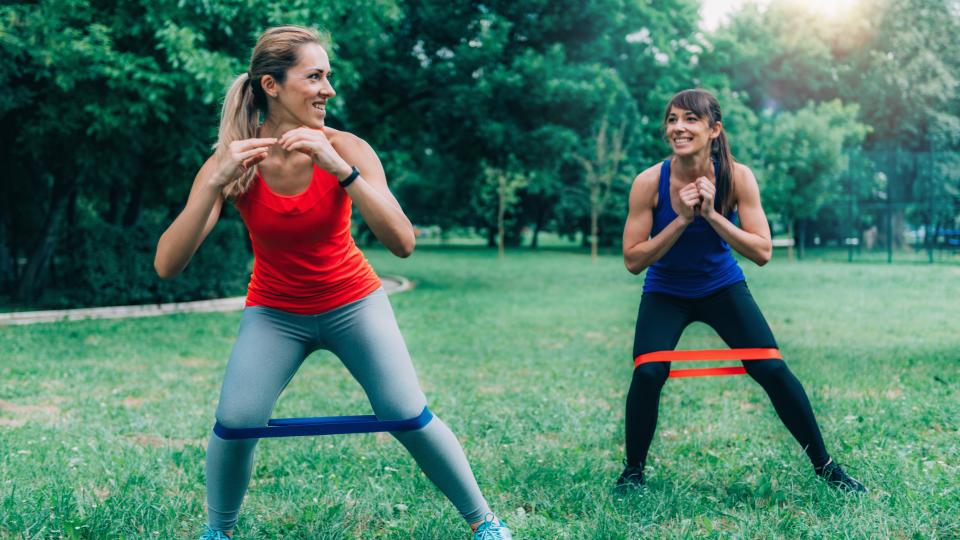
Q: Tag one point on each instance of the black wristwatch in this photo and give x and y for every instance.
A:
(350, 177)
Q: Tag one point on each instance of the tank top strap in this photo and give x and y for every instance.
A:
(663, 189)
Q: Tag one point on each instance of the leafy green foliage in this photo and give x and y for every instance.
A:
(805, 160)
(108, 264)
(111, 107)
(886, 57)
(804, 153)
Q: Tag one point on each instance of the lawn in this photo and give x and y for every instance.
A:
(103, 423)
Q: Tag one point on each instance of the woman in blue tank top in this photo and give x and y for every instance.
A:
(681, 230)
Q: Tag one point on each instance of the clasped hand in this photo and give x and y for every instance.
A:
(243, 154)
(314, 143)
(696, 199)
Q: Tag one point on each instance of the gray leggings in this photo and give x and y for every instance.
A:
(270, 347)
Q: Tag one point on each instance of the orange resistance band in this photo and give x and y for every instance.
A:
(712, 354)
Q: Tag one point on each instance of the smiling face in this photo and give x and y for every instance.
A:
(688, 133)
(301, 99)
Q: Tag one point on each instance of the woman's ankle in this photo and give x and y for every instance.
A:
(489, 516)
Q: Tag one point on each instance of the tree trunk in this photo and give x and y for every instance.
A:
(115, 201)
(534, 242)
(933, 241)
(802, 243)
(501, 210)
(36, 273)
(790, 234)
(594, 215)
(72, 210)
(132, 214)
(898, 228)
(70, 224)
(7, 274)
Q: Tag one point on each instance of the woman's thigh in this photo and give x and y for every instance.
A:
(270, 347)
(365, 336)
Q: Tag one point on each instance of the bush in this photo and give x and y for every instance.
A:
(106, 264)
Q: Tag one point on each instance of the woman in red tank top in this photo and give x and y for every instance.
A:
(294, 180)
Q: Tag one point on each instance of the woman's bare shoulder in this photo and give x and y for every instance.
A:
(347, 143)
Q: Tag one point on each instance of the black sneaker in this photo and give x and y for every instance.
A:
(836, 477)
(631, 477)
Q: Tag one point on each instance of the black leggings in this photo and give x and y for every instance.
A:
(736, 317)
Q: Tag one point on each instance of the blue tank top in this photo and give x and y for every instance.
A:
(699, 263)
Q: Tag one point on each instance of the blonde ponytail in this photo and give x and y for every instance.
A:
(276, 51)
(238, 120)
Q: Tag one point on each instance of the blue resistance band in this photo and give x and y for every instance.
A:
(323, 425)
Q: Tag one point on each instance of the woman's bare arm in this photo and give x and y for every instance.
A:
(752, 238)
(182, 238)
(639, 250)
(377, 205)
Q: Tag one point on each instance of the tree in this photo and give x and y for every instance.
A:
(909, 93)
(469, 82)
(112, 107)
(601, 169)
(804, 154)
(781, 55)
(885, 55)
(500, 191)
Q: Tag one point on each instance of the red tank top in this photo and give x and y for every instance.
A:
(304, 259)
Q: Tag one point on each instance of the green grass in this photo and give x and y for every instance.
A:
(103, 423)
(908, 255)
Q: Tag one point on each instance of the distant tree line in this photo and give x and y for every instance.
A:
(498, 116)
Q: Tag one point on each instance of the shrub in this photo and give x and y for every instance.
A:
(107, 264)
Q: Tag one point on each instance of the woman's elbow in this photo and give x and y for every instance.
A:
(404, 248)
(164, 268)
(634, 267)
(402, 252)
(763, 257)
(164, 271)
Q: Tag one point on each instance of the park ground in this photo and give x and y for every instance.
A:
(103, 424)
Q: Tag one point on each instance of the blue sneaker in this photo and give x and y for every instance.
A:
(213, 534)
(492, 529)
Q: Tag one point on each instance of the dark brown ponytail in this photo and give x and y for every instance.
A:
(720, 152)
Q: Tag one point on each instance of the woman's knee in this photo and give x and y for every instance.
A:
(238, 414)
(398, 407)
(652, 375)
(764, 371)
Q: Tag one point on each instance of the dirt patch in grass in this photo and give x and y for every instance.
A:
(195, 362)
(22, 414)
(28, 409)
(133, 402)
(25, 413)
(749, 406)
(154, 441)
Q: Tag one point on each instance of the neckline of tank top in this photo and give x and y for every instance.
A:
(666, 163)
(317, 172)
(660, 183)
(669, 165)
